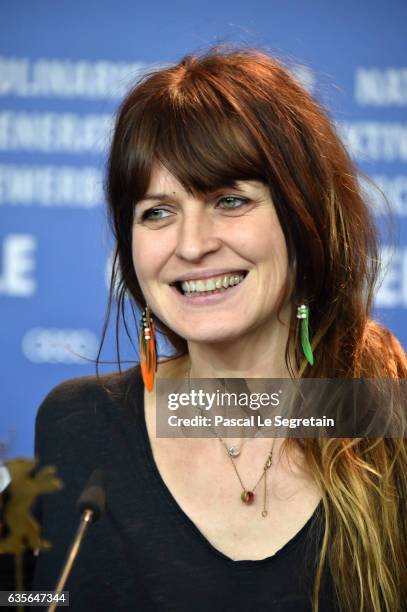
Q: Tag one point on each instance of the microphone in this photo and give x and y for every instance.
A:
(91, 505)
(93, 497)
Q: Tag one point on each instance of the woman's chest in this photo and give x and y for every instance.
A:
(208, 489)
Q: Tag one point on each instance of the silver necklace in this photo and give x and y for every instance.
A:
(247, 496)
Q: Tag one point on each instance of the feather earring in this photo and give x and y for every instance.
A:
(148, 357)
(303, 314)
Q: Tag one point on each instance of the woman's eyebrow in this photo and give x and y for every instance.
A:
(209, 194)
(155, 196)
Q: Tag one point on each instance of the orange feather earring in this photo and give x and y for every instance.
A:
(148, 357)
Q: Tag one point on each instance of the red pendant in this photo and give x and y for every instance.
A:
(247, 497)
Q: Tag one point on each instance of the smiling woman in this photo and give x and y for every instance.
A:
(199, 241)
(242, 236)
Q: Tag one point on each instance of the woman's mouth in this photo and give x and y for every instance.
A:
(205, 290)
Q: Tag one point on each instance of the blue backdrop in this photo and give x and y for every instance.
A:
(64, 67)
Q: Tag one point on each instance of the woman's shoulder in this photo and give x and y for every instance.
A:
(86, 395)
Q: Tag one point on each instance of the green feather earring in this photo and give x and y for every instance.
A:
(303, 314)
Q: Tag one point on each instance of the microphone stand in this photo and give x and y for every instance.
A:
(85, 521)
(91, 505)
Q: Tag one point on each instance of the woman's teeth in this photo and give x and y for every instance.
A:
(211, 285)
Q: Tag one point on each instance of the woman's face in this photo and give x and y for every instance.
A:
(210, 267)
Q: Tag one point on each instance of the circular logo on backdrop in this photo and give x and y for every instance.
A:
(53, 345)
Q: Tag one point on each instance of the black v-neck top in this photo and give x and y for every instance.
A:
(145, 554)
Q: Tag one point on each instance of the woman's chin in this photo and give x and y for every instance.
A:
(211, 337)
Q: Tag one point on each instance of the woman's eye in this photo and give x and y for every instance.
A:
(232, 202)
(155, 214)
(229, 203)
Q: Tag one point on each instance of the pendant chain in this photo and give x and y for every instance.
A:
(247, 495)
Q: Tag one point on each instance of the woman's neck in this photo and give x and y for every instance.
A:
(257, 355)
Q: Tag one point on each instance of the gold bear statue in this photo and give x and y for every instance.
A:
(23, 528)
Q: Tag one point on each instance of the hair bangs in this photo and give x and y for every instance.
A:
(205, 148)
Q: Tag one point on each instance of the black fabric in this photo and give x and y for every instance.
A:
(145, 554)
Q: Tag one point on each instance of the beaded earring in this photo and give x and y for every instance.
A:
(303, 314)
(148, 358)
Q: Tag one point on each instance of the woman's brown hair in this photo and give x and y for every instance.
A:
(230, 115)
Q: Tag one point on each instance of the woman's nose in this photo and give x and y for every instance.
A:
(197, 236)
